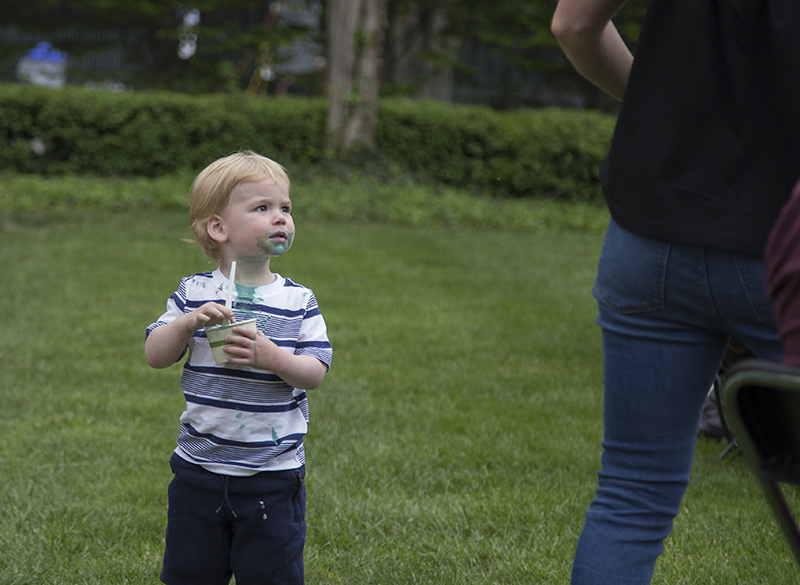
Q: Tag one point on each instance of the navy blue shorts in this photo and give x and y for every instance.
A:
(251, 527)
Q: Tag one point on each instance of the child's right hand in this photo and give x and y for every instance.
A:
(165, 344)
(209, 315)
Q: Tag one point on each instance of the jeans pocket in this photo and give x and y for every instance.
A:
(752, 274)
(632, 271)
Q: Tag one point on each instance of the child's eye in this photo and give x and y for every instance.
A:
(286, 209)
(261, 208)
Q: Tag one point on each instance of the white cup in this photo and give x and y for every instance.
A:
(216, 337)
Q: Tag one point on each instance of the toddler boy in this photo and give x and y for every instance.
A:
(237, 499)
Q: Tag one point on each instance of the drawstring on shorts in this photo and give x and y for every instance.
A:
(226, 503)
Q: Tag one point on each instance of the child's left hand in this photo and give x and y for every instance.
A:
(248, 348)
(256, 350)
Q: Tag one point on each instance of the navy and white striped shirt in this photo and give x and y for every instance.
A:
(240, 420)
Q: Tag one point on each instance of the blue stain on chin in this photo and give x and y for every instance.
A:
(275, 248)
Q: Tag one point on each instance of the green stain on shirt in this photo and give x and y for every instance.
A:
(245, 295)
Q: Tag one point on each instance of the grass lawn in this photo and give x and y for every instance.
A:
(455, 440)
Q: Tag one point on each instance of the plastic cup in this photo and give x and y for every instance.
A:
(216, 337)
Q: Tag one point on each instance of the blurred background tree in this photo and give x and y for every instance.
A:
(195, 46)
(424, 47)
(428, 39)
(465, 51)
(497, 53)
(355, 35)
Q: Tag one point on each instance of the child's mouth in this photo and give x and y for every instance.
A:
(276, 243)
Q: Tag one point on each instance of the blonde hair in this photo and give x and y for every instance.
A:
(212, 188)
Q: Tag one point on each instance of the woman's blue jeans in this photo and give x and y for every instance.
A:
(666, 311)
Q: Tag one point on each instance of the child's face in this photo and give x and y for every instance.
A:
(257, 220)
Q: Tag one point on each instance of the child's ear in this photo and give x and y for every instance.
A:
(216, 230)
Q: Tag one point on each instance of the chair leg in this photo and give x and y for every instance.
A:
(728, 449)
(783, 514)
(732, 444)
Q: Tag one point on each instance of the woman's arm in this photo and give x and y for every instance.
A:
(591, 42)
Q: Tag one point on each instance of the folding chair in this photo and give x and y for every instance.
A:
(762, 403)
(714, 423)
(714, 405)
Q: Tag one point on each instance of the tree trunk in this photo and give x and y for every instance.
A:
(354, 41)
(417, 56)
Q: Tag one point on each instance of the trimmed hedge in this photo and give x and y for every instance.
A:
(532, 153)
(148, 134)
(548, 152)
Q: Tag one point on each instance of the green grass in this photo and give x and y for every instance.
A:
(455, 440)
(385, 196)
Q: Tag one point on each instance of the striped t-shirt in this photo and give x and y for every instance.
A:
(240, 420)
